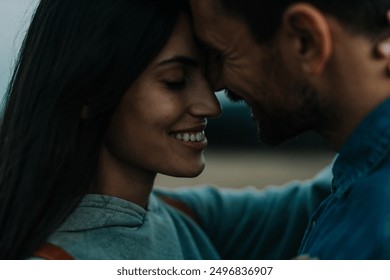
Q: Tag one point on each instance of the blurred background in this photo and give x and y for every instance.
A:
(234, 158)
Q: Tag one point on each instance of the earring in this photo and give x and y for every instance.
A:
(383, 49)
(385, 46)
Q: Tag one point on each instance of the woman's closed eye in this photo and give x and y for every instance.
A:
(176, 84)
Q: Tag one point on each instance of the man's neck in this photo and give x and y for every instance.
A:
(353, 84)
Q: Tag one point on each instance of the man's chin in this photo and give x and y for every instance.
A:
(271, 141)
(274, 137)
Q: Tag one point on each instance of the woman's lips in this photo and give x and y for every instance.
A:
(189, 136)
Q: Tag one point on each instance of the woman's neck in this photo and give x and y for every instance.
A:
(123, 180)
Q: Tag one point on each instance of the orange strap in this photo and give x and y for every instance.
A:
(181, 206)
(50, 251)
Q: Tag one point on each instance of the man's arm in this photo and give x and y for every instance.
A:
(257, 224)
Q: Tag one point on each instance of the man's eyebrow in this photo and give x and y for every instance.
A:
(186, 60)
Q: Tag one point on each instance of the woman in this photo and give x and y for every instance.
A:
(105, 95)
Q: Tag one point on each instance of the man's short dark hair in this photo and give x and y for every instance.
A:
(366, 17)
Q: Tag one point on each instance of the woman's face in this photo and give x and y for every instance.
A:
(160, 123)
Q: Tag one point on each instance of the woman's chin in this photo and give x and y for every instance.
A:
(188, 173)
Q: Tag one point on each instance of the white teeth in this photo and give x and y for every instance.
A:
(186, 137)
(190, 137)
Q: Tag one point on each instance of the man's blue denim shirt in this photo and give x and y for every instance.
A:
(354, 221)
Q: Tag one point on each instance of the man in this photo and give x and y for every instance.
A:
(316, 65)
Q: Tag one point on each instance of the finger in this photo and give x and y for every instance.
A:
(305, 257)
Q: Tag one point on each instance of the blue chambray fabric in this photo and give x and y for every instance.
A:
(245, 224)
(354, 221)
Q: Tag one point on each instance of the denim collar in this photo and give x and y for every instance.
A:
(368, 145)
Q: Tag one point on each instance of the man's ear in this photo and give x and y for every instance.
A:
(308, 37)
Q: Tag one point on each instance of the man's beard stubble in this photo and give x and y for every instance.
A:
(294, 108)
(308, 113)
(280, 121)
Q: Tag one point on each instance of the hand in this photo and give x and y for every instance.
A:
(305, 257)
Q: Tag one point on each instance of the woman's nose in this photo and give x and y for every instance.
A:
(206, 104)
(215, 108)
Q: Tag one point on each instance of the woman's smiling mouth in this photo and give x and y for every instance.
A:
(190, 136)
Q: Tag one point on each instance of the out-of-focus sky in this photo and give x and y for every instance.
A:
(14, 19)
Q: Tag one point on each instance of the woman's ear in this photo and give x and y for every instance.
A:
(308, 36)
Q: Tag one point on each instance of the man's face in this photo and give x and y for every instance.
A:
(282, 103)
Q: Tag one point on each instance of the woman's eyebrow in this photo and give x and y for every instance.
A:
(186, 60)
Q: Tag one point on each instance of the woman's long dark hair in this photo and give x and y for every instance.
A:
(76, 54)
